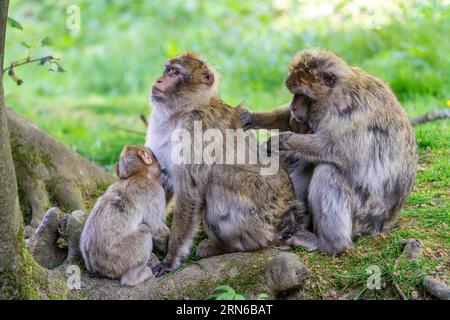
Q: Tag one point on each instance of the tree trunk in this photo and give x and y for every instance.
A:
(11, 239)
(50, 174)
(20, 276)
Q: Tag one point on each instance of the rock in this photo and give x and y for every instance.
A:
(42, 244)
(28, 231)
(437, 288)
(194, 281)
(413, 248)
(285, 272)
(70, 229)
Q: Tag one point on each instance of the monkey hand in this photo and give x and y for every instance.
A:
(283, 143)
(246, 118)
(164, 267)
(283, 140)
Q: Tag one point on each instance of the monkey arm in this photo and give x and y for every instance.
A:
(189, 189)
(310, 148)
(166, 183)
(277, 118)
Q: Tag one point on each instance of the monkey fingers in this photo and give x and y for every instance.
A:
(163, 267)
(277, 143)
(246, 118)
(153, 262)
(283, 140)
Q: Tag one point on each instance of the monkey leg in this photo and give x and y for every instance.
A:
(161, 238)
(300, 179)
(140, 245)
(136, 275)
(329, 199)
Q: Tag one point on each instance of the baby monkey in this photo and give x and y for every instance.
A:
(117, 239)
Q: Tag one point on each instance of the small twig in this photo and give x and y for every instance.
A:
(127, 130)
(23, 61)
(399, 291)
(431, 116)
(412, 251)
(144, 119)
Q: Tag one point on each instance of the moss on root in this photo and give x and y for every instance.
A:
(29, 281)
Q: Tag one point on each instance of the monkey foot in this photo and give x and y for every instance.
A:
(163, 267)
(245, 117)
(207, 248)
(304, 239)
(153, 261)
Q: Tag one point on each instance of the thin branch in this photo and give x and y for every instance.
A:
(431, 116)
(127, 130)
(144, 119)
(21, 62)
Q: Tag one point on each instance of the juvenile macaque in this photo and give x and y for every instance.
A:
(362, 149)
(118, 237)
(241, 208)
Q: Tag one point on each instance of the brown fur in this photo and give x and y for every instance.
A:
(119, 234)
(362, 146)
(241, 209)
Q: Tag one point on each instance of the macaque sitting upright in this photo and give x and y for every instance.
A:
(118, 237)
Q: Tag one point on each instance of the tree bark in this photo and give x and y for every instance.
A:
(50, 174)
(11, 243)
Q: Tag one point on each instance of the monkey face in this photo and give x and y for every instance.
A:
(300, 107)
(182, 75)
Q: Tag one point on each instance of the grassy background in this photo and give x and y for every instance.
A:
(121, 46)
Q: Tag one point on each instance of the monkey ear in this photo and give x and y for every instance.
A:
(208, 76)
(329, 78)
(146, 158)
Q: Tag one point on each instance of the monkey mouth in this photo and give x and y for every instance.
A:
(157, 92)
(298, 119)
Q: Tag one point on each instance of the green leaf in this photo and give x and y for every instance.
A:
(26, 45)
(263, 296)
(46, 42)
(14, 23)
(225, 288)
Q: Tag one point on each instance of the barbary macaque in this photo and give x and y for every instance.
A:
(362, 149)
(240, 207)
(119, 234)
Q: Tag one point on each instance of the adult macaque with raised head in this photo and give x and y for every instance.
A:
(118, 237)
(241, 209)
(362, 148)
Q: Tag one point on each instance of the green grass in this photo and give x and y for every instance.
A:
(121, 48)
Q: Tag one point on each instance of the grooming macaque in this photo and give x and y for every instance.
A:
(119, 234)
(241, 209)
(362, 148)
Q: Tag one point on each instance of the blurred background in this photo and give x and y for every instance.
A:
(120, 47)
